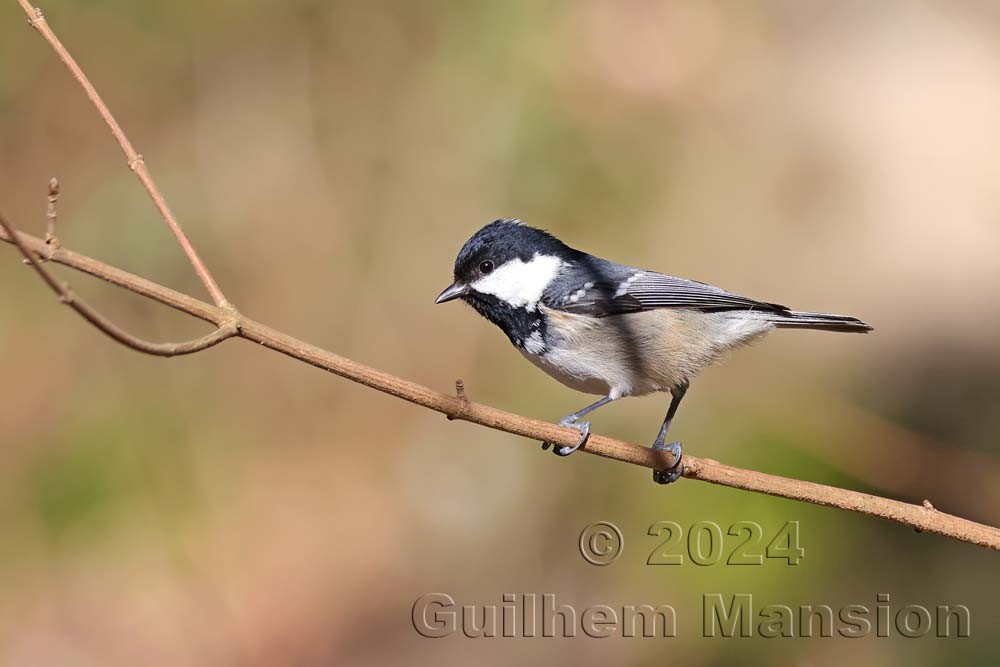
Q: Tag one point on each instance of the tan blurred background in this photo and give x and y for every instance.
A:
(329, 159)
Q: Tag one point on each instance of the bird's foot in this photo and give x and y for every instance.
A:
(582, 427)
(673, 473)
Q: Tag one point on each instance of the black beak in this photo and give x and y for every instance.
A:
(453, 291)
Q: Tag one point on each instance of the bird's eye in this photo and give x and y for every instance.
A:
(486, 267)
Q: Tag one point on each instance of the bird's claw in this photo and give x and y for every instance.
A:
(674, 472)
(582, 427)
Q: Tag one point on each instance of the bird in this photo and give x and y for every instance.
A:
(608, 329)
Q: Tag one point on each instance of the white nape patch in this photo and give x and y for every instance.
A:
(534, 343)
(520, 284)
(624, 285)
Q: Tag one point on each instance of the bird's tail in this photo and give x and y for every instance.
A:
(793, 319)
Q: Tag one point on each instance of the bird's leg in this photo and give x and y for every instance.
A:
(582, 427)
(672, 473)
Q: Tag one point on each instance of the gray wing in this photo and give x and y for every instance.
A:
(601, 288)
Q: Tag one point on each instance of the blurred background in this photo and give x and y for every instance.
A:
(329, 159)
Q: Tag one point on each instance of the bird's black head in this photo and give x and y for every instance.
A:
(508, 260)
(500, 242)
(502, 272)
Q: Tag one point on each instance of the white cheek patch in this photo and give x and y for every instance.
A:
(520, 284)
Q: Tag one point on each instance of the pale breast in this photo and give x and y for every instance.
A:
(639, 353)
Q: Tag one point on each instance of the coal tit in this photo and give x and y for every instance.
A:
(608, 329)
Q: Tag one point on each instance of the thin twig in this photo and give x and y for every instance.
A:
(461, 408)
(135, 160)
(226, 329)
(50, 213)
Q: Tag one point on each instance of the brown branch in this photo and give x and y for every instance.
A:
(135, 160)
(226, 329)
(459, 407)
(230, 323)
